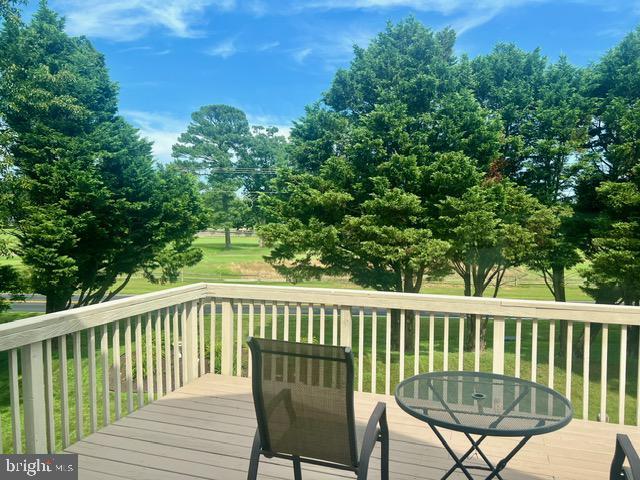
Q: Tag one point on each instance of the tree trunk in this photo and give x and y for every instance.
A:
(559, 291)
(409, 330)
(56, 303)
(227, 237)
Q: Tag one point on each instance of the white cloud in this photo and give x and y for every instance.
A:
(300, 54)
(161, 128)
(465, 14)
(224, 49)
(267, 46)
(126, 20)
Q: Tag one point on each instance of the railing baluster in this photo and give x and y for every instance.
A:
(552, 352)
(104, 355)
(227, 337)
(498, 344)
(212, 342)
(569, 365)
(603, 372)
(251, 332)
(445, 339)
(387, 354)
(48, 373)
(263, 315)
(461, 342)
(534, 349)
(239, 339)
(14, 395)
(201, 337)
(139, 364)
(115, 347)
(335, 325)
(286, 321)
(360, 347)
(167, 351)
(638, 387)
(585, 371)
(274, 321)
(322, 322)
(64, 390)
(77, 362)
(518, 346)
(159, 373)
(622, 392)
(476, 359)
(149, 357)
(416, 343)
(374, 347)
(93, 393)
(176, 348)
(298, 322)
(127, 361)
(432, 327)
(184, 347)
(310, 324)
(402, 344)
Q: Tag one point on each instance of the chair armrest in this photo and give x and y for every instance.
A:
(377, 429)
(624, 449)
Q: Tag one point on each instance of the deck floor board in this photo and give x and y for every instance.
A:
(205, 430)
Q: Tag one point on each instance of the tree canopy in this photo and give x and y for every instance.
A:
(89, 208)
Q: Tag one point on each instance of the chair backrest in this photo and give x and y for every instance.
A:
(303, 396)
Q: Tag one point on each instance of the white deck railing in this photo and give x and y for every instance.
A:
(167, 339)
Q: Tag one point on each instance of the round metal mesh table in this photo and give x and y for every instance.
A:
(484, 403)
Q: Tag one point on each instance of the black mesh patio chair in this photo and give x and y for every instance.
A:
(624, 450)
(303, 396)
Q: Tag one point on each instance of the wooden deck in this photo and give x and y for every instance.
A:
(205, 430)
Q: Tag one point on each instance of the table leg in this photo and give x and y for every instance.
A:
(503, 463)
(475, 446)
(453, 455)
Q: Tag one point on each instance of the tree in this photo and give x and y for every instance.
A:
(360, 200)
(607, 180)
(215, 141)
(90, 207)
(491, 227)
(545, 126)
(266, 153)
(11, 279)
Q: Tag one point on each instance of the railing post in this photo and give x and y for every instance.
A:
(498, 345)
(226, 366)
(345, 326)
(35, 421)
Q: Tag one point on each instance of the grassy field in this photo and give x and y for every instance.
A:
(244, 263)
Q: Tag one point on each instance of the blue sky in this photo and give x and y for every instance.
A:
(271, 58)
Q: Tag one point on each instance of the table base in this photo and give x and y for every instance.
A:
(475, 447)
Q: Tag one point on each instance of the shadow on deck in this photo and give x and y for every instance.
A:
(205, 430)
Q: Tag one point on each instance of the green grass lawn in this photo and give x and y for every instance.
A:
(244, 262)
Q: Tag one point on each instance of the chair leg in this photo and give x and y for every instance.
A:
(384, 455)
(255, 458)
(297, 470)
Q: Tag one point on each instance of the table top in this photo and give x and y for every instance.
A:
(483, 403)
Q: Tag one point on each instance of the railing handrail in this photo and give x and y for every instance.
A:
(23, 332)
(29, 330)
(574, 311)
